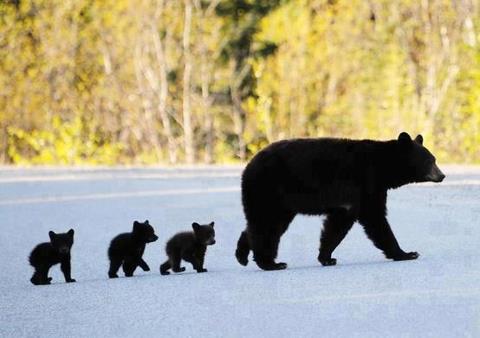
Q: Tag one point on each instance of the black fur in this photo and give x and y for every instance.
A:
(45, 255)
(128, 248)
(189, 246)
(345, 179)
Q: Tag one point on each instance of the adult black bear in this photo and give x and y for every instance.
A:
(345, 179)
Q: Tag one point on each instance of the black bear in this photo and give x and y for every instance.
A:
(47, 254)
(128, 248)
(345, 179)
(189, 246)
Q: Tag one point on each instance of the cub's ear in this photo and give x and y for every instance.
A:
(71, 232)
(212, 224)
(419, 139)
(195, 226)
(52, 235)
(136, 225)
(404, 138)
(146, 222)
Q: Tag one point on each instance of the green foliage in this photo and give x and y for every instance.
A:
(102, 82)
(67, 143)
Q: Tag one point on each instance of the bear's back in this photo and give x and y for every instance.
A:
(328, 158)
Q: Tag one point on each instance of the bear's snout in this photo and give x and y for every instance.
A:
(63, 249)
(435, 174)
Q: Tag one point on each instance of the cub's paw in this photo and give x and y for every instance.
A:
(164, 273)
(406, 256)
(202, 270)
(147, 268)
(327, 261)
(112, 275)
(71, 280)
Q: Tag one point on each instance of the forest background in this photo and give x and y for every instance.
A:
(191, 81)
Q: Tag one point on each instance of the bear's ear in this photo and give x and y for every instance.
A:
(52, 235)
(136, 225)
(195, 226)
(146, 222)
(212, 224)
(71, 232)
(404, 138)
(419, 139)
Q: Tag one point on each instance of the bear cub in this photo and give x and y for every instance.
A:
(47, 254)
(190, 246)
(128, 248)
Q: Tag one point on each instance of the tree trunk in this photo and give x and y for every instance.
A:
(239, 118)
(163, 94)
(207, 113)
(187, 113)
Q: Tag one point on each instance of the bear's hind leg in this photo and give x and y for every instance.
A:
(129, 266)
(265, 242)
(40, 276)
(165, 267)
(175, 261)
(243, 248)
(335, 228)
(115, 264)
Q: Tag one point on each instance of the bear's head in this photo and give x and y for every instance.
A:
(63, 242)
(417, 163)
(144, 232)
(204, 234)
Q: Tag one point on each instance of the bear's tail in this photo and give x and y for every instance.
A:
(243, 248)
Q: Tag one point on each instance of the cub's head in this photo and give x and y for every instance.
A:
(144, 232)
(204, 233)
(417, 161)
(63, 242)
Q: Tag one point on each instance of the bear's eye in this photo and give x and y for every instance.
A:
(428, 163)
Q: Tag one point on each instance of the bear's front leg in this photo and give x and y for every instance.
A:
(66, 269)
(197, 263)
(143, 265)
(378, 230)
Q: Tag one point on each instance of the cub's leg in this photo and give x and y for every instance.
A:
(66, 269)
(40, 276)
(143, 265)
(129, 266)
(175, 260)
(165, 267)
(197, 263)
(115, 264)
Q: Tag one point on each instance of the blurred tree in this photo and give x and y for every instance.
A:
(122, 81)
